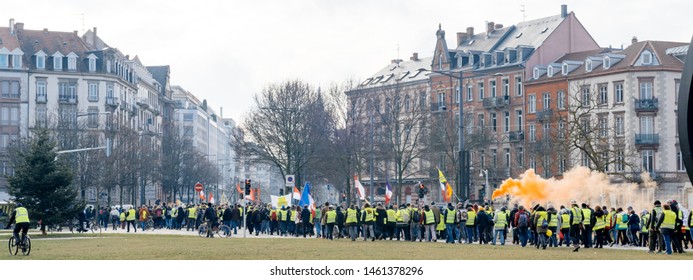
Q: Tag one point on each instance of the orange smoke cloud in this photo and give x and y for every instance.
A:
(580, 184)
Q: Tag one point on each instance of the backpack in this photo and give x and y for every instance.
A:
(624, 218)
(523, 220)
(416, 216)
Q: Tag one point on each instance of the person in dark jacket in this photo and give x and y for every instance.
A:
(227, 217)
(305, 219)
(181, 217)
(483, 221)
(249, 219)
(210, 216)
(380, 219)
(516, 238)
(634, 227)
(257, 220)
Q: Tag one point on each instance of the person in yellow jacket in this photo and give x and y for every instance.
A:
(192, 217)
(130, 217)
(20, 219)
(429, 222)
(500, 223)
(331, 219)
(390, 222)
(470, 225)
(644, 231)
(351, 221)
(599, 226)
(450, 219)
(666, 225)
(367, 220)
(121, 217)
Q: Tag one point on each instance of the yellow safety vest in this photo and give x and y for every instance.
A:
(370, 215)
(283, 213)
(471, 218)
(566, 220)
(430, 219)
(502, 220)
(586, 213)
(391, 216)
(691, 215)
(398, 215)
(331, 216)
(351, 216)
(600, 223)
(294, 213)
(122, 216)
(645, 220)
(131, 214)
(609, 219)
(450, 219)
(669, 219)
(541, 217)
(192, 213)
(441, 225)
(577, 215)
(683, 226)
(553, 222)
(621, 224)
(22, 215)
(174, 213)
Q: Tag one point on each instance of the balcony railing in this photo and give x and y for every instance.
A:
(646, 105)
(496, 102)
(40, 99)
(516, 136)
(143, 103)
(111, 101)
(544, 115)
(67, 99)
(647, 139)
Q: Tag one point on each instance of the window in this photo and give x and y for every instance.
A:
(618, 125)
(679, 161)
(560, 102)
(532, 133)
(533, 162)
(40, 62)
(602, 122)
(620, 161)
(494, 159)
(518, 113)
(606, 62)
(648, 160)
(520, 157)
(481, 91)
(561, 164)
(481, 120)
(71, 63)
(588, 65)
(618, 92)
(677, 85)
(646, 88)
(482, 159)
(422, 99)
(493, 88)
(440, 62)
(646, 57)
(507, 158)
(93, 92)
(564, 71)
(549, 71)
(93, 116)
(92, 64)
(9, 88)
(57, 62)
(546, 165)
(406, 103)
(9, 116)
(547, 102)
(546, 131)
(470, 92)
(518, 85)
(506, 87)
(585, 100)
(41, 91)
(4, 63)
(535, 74)
(41, 115)
(441, 101)
(584, 159)
(506, 122)
(458, 95)
(532, 103)
(188, 117)
(647, 124)
(561, 129)
(603, 97)
(493, 121)
(605, 161)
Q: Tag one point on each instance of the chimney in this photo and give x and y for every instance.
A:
(461, 36)
(489, 27)
(75, 32)
(470, 32)
(11, 26)
(499, 26)
(221, 112)
(414, 57)
(93, 39)
(634, 40)
(19, 26)
(564, 11)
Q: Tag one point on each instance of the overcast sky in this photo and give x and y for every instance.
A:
(227, 51)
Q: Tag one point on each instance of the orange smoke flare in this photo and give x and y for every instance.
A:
(529, 188)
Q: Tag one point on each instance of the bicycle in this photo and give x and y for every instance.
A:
(222, 231)
(25, 245)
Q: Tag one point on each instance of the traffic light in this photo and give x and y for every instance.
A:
(247, 186)
(422, 190)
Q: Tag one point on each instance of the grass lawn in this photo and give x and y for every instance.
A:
(177, 247)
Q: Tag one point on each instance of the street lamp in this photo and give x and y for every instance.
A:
(483, 172)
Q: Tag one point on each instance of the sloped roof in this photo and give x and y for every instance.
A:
(483, 41)
(8, 40)
(531, 33)
(51, 42)
(160, 73)
(98, 44)
(632, 53)
(402, 72)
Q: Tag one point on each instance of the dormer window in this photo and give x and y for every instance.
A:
(607, 62)
(40, 62)
(536, 74)
(646, 57)
(440, 62)
(564, 69)
(72, 62)
(92, 63)
(549, 71)
(588, 65)
(57, 61)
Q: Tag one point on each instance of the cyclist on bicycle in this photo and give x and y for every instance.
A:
(211, 218)
(20, 217)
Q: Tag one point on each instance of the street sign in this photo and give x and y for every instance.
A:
(198, 187)
(290, 180)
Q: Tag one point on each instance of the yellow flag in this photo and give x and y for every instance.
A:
(441, 177)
